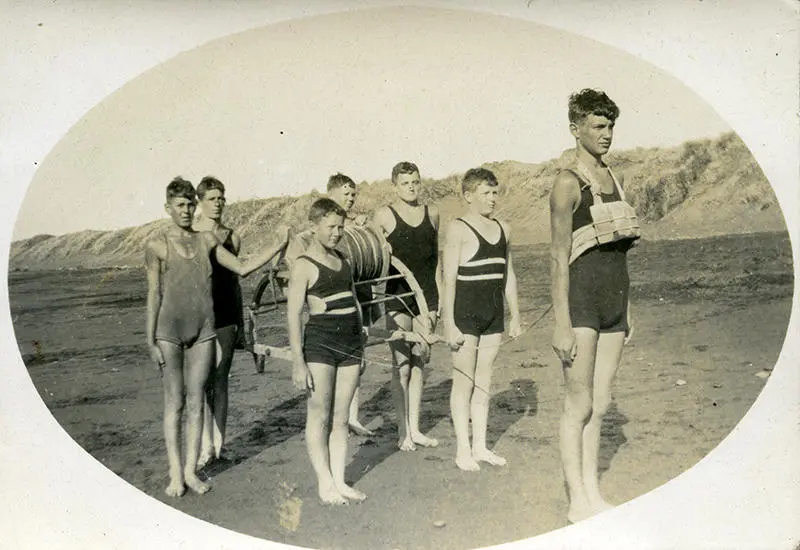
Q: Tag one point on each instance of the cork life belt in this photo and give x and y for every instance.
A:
(611, 221)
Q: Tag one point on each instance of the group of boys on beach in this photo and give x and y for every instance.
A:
(194, 312)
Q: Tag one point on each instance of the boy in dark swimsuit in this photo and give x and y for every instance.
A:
(180, 324)
(411, 229)
(342, 190)
(328, 354)
(228, 319)
(478, 275)
(589, 291)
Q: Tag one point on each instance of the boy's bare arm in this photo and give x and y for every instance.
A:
(298, 286)
(514, 327)
(434, 212)
(153, 256)
(563, 198)
(243, 269)
(237, 242)
(450, 259)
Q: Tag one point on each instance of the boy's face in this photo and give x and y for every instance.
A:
(181, 210)
(329, 229)
(407, 186)
(345, 196)
(483, 199)
(212, 204)
(595, 133)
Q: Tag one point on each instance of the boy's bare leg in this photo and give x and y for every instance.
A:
(460, 396)
(416, 382)
(609, 353)
(226, 340)
(318, 419)
(488, 346)
(207, 437)
(578, 381)
(354, 423)
(172, 378)
(199, 360)
(344, 387)
(401, 357)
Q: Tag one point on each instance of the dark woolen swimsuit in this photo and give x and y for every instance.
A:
(480, 287)
(598, 278)
(334, 336)
(186, 315)
(417, 247)
(225, 290)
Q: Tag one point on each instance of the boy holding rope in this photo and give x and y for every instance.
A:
(478, 274)
(411, 229)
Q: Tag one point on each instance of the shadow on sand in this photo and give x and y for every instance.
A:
(612, 437)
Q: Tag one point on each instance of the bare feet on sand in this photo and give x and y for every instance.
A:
(578, 511)
(406, 444)
(331, 496)
(423, 440)
(176, 488)
(357, 428)
(466, 463)
(351, 493)
(485, 455)
(195, 484)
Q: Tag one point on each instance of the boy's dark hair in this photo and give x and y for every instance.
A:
(475, 176)
(207, 184)
(180, 187)
(404, 168)
(322, 207)
(340, 180)
(591, 102)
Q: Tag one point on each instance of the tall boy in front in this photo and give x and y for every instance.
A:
(478, 275)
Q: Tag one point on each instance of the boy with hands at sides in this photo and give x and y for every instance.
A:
(478, 275)
(180, 324)
(327, 355)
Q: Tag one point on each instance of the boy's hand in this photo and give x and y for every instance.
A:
(629, 332)
(433, 318)
(454, 337)
(157, 356)
(301, 377)
(565, 345)
(514, 327)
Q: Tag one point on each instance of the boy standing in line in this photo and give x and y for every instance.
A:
(180, 324)
(327, 355)
(478, 275)
(411, 229)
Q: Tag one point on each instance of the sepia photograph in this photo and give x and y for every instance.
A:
(381, 275)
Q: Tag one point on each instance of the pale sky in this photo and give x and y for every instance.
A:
(277, 109)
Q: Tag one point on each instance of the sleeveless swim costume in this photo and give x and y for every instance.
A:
(417, 247)
(225, 290)
(598, 278)
(480, 287)
(186, 315)
(334, 336)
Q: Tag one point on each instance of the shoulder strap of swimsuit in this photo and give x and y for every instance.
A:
(582, 183)
(502, 233)
(481, 239)
(397, 217)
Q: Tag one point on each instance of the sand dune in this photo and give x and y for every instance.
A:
(700, 188)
